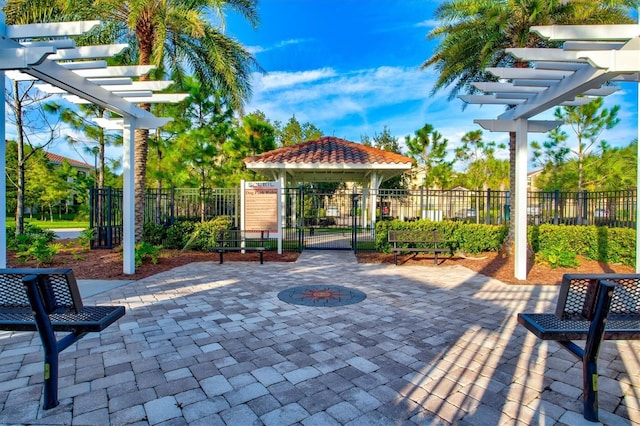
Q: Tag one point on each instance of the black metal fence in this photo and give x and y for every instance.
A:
(105, 217)
(606, 208)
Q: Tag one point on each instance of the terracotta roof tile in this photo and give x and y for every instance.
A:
(59, 159)
(328, 150)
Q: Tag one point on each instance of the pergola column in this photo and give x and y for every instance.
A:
(3, 168)
(521, 127)
(128, 198)
(519, 199)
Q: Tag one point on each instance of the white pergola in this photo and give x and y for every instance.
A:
(592, 55)
(44, 52)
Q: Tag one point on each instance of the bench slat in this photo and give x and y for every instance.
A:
(90, 319)
(549, 327)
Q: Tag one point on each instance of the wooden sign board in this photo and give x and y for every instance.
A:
(260, 202)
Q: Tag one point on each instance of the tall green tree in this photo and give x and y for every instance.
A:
(587, 122)
(294, 133)
(473, 35)
(484, 170)
(35, 132)
(613, 169)
(81, 119)
(386, 142)
(208, 122)
(254, 135)
(429, 148)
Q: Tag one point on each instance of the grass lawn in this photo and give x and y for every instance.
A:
(56, 224)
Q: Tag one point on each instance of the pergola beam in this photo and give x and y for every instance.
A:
(587, 32)
(533, 126)
(572, 86)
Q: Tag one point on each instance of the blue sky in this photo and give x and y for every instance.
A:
(352, 67)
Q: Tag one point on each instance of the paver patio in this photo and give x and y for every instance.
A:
(212, 344)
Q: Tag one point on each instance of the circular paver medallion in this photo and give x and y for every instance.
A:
(321, 295)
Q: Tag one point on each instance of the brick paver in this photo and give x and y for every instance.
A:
(212, 344)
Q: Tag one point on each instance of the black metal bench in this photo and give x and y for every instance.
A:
(242, 241)
(417, 241)
(591, 308)
(48, 301)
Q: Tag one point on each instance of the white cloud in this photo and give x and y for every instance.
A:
(291, 42)
(428, 23)
(254, 50)
(280, 80)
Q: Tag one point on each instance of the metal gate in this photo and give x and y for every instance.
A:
(321, 219)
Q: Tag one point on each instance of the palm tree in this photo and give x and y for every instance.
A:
(176, 35)
(473, 35)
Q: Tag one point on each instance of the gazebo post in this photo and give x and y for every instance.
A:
(283, 211)
(375, 186)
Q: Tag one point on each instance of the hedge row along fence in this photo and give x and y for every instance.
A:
(557, 245)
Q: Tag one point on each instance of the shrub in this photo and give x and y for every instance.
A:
(179, 234)
(31, 232)
(557, 258)
(205, 234)
(38, 248)
(145, 251)
(153, 233)
(86, 236)
(33, 244)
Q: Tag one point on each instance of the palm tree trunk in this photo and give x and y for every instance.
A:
(508, 247)
(140, 176)
(145, 36)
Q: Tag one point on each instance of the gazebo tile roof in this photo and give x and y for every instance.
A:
(328, 150)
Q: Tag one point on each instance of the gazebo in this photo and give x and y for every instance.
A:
(331, 159)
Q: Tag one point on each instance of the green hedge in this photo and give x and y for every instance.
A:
(612, 245)
(460, 236)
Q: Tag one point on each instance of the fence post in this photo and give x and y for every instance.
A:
(300, 218)
(109, 217)
(487, 216)
(585, 194)
(556, 206)
(173, 205)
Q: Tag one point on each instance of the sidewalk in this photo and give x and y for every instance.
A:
(208, 344)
